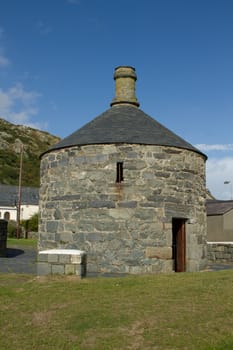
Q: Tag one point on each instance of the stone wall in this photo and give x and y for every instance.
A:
(123, 227)
(220, 252)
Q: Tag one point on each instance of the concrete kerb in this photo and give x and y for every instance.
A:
(62, 262)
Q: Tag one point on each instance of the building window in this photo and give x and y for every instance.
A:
(7, 215)
(119, 170)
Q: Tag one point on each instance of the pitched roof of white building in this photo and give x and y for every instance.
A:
(9, 195)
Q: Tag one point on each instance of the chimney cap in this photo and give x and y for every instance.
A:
(125, 78)
(124, 71)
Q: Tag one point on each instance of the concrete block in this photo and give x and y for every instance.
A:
(227, 256)
(64, 258)
(53, 258)
(70, 269)
(62, 261)
(75, 259)
(78, 270)
(219, 255)
(58, 269)
(43, 268)
(42, 257)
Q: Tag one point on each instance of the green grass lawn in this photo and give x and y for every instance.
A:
(22, 242)
(192, 311)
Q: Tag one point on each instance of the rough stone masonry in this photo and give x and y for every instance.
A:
(117, 188)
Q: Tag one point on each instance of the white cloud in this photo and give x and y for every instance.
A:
(17, 92)
(219, 168)
(217, 172)
(4, 61)
(215, 147)
(18, 105)
(5, 102)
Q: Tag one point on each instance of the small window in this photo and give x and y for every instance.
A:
(119, 169)
(7, 215)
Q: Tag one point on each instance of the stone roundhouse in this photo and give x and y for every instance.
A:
(127, 191)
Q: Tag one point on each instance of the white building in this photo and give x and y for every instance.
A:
(9, 202)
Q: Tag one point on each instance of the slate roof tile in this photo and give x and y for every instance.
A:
(218, 207)
(124, 124)
(9, 195)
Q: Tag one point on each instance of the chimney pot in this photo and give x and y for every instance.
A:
(125, 78)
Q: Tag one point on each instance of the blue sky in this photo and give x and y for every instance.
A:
(57, 59)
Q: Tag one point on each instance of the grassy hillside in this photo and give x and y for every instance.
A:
(34, 143)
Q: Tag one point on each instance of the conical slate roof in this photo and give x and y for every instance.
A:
(124, 124)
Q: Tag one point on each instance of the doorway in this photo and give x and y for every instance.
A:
(179, 244)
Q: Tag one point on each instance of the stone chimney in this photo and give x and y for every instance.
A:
(125, 78)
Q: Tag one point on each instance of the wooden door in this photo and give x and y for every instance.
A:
(179, 245)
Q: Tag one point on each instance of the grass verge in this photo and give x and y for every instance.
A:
(186, 311)
(22, 242)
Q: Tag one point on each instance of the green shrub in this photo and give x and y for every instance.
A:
(12, 228)
(31, 224)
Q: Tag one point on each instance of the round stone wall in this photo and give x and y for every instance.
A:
(123, 222)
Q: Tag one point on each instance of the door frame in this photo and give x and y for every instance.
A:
(179, 244)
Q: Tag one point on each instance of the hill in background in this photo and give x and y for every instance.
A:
(34, 142)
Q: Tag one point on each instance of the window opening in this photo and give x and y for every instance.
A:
(119, 169)
(7, 215)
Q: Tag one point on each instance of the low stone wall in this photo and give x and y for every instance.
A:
(220, 251)
(62, 262)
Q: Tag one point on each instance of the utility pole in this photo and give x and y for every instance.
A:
(19, 193)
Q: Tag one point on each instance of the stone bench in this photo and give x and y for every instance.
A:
(62, 262)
